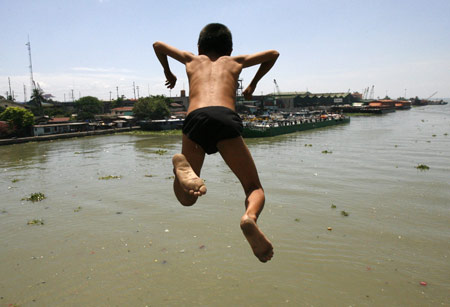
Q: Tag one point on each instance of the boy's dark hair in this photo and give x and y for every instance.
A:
(215, 38)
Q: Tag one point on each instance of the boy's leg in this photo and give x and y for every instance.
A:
(188, 186)
(238, 157)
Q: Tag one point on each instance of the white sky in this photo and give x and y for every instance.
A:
(93, 46)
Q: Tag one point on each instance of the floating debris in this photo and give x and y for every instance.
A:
(148, 176)
(119, 212)
(329, 228)
(422, 167)
(308, 145)
(77, 209)
(297, 220)
(170, 177)
(202, 246)
(423, 283)
(326, 152)
(36, 222)
(34, 197)
(333, 206)
(434, 135)
(344, 213)
(160, 152)
(109, 177)
(15, 180)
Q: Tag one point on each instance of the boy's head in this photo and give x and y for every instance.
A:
(215, 38)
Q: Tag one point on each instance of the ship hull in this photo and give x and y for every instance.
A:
(256, 132)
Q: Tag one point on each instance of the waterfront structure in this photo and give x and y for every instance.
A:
(48, 129)
(122, 111)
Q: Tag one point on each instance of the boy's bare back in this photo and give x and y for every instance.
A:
(212, 82)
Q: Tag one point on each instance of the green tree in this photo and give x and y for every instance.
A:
(153, 107)
(119, 102)
(37, 98)
(19, 120)
(87, 107)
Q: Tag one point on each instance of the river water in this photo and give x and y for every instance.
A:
(127, 242)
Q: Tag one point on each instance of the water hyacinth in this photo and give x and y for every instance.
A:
(35, 197)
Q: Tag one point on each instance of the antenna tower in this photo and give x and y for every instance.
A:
(372, 92)
(33, 86)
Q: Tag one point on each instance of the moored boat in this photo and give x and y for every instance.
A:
(270, 128)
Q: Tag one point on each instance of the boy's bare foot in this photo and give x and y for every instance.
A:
(262, 248)
(186, 176)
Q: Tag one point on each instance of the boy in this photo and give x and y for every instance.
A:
(213, 125)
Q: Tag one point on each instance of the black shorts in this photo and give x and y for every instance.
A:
(209, 125)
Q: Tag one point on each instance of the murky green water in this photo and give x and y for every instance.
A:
(127, 242)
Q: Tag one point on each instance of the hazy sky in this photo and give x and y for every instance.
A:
(93, 46)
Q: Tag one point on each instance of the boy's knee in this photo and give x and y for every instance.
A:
(252, 188)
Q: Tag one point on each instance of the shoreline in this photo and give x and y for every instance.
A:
(65, 135)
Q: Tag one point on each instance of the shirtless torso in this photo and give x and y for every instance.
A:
(212, 82)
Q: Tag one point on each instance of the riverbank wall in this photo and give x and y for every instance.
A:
(65, 135)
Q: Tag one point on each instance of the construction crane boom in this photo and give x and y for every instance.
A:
(276, 87)
(432, 95)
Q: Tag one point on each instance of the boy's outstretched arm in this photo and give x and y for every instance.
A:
(267, 59)
(162, 50)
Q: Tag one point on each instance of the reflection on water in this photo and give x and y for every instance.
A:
(128, 242)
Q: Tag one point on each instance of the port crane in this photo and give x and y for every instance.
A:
(431, 95)
(277, 91)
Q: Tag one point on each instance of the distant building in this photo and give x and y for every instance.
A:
(127, 111)
(8, 103)
(59, 128)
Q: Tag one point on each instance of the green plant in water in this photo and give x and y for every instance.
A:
(422, 167)
(344, 213)
(327, 152)
(160, 152)
(77, 209)
(170, 177)
(297, 220)
(109, 177)
(333, 206)
(35, 197)
(148, 176)
(36, 222)
(15, 180)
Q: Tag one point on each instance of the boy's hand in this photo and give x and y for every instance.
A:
(171, 79)
(248, 92)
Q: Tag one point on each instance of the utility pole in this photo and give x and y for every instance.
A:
(110, 95)
(73, 98)
(138, 90)
(64, 97)
(10, 93)
(24, 94)
(117, 90)
(134, 91)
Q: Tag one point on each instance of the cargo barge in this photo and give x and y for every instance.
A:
(256, 129)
